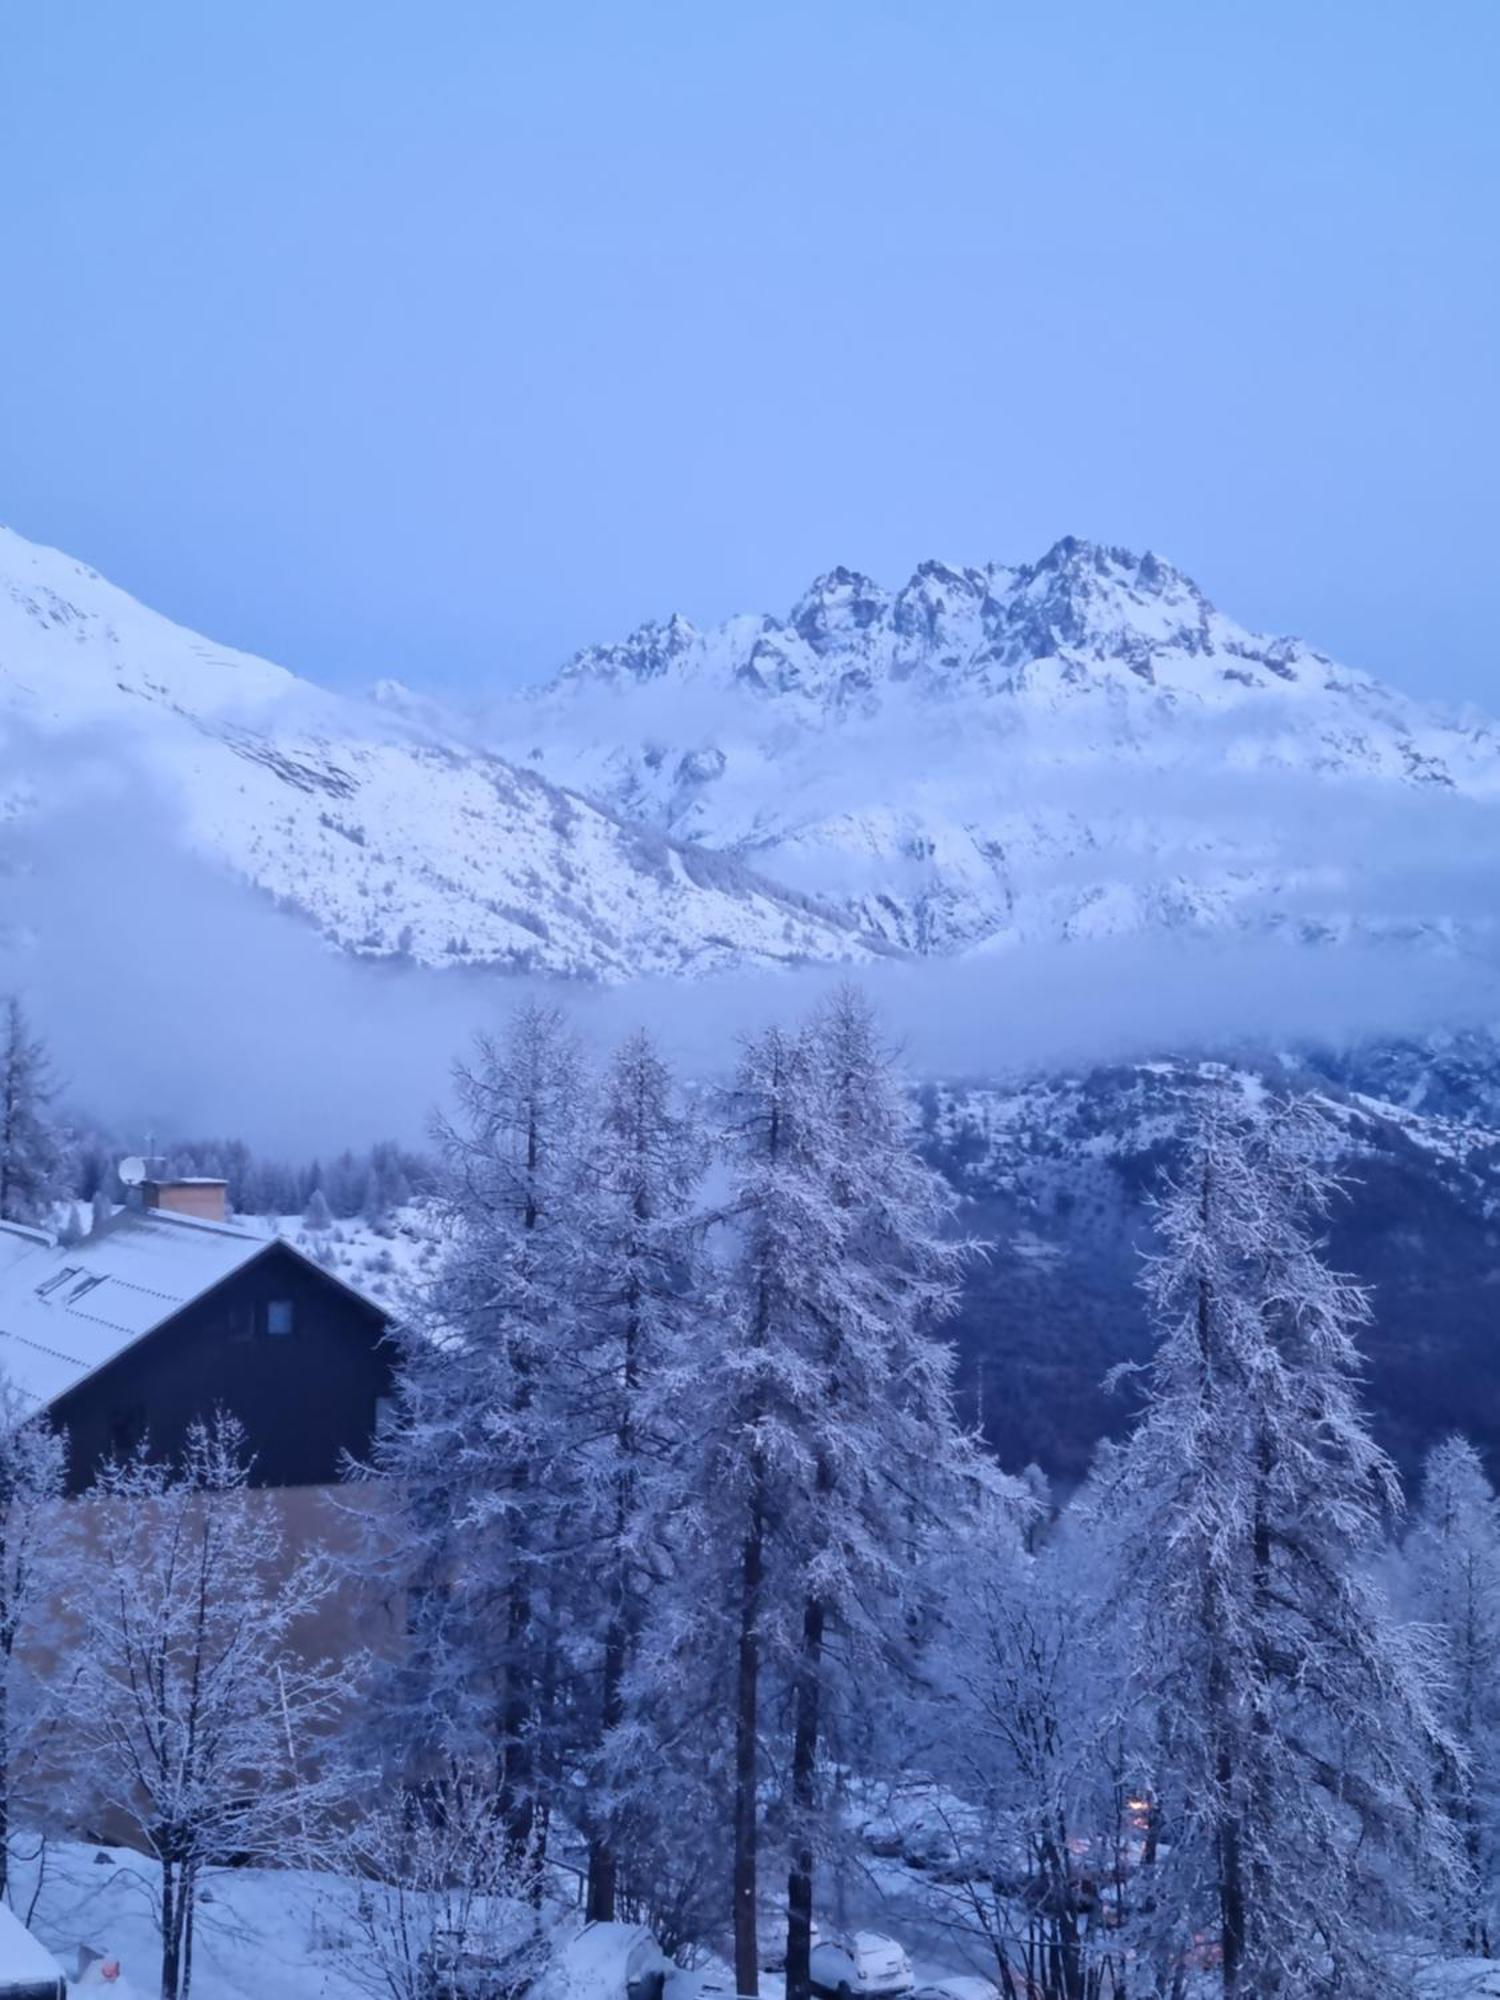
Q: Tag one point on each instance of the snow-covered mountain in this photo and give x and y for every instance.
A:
(390, 835)
(1082, 746)
(1076, 748)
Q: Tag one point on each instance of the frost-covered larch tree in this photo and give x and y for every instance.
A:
(31, 1144)
(1452, 1567)
(750, 1450)
(823, 1426)
(640, 1293)
(1293, 1719)
(477, 1454)
(883, 1458)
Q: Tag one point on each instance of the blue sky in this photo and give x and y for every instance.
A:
(438, 340)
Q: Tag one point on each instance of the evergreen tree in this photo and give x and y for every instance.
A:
(1452, 1561)
(641, 1289)
(1293, 1720)
(32, 1149)
(883, 1457)
(824, 1433)
(475, 1452)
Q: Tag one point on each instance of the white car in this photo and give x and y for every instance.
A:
(860, 1967)
(961, 1986)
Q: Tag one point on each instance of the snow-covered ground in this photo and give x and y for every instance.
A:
(262, 1934)
(390, 1262)
(288, 1934)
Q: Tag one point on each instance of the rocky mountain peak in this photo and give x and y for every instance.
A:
(839, 610)
(648, 653)
(1000, 754)
(1103, 602)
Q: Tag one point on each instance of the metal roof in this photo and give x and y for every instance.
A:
(68, 1309)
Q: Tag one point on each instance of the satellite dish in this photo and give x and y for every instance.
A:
(132, 1172)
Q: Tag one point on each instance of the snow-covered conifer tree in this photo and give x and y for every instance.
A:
(476, 1453)
(31, 1143)
(824, 1429)
(639, 1293)
(1295, 1734)
(1452, 1565)
(883, 1458)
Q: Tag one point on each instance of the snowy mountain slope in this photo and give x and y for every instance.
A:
(1078, 747)
(388, 835)
(1058, 1174)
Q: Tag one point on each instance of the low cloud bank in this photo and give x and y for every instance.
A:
(179, 1001)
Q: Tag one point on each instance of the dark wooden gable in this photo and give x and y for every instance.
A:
(297, 1357)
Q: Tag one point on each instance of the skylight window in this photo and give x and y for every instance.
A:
(49, 1285)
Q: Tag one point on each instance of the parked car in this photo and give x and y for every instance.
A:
(646, 1967)
(960, 1986)
(860, 1966)
(883, 1837)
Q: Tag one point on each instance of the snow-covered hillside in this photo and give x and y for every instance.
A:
(388, 835)
(1078, 747)
(1059, 1173)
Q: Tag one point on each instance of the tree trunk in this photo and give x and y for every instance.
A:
(603, 1864)
(189, 1906)
(171, 1941)
(517, 1791)
(1231, 1860)
(4, 1769)
(599, 1902)
(1228, 1844)
(747, 1763)
(799, 1886)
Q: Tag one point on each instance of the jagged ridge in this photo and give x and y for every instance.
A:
(996, 755)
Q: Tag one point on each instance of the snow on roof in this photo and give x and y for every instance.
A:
(17, 1242)
(67, 1309)
(24, 1964)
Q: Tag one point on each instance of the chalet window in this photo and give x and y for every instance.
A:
(281, 1317)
